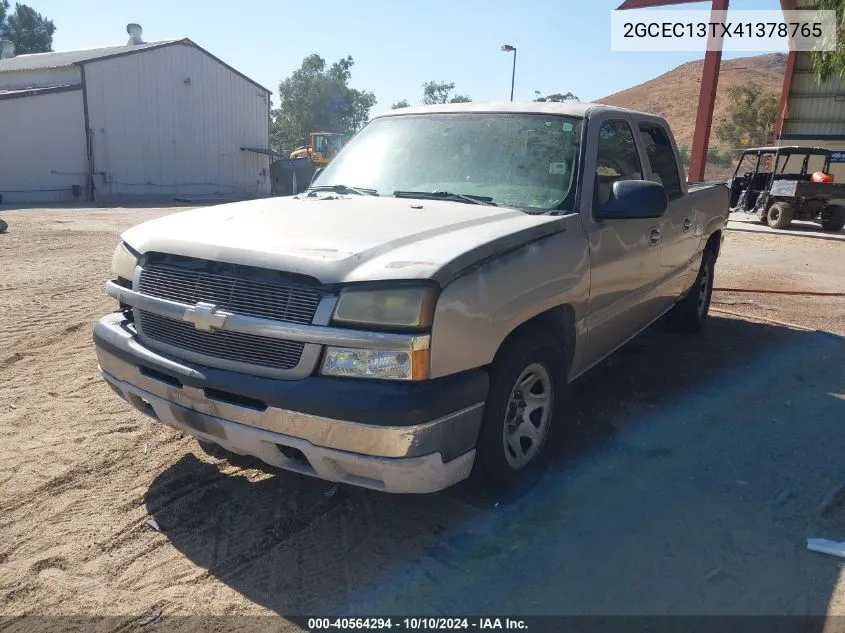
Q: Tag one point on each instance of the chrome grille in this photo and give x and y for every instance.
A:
(230, 346)
(275, 300)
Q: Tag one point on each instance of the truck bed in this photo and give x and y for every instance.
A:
(800, 189)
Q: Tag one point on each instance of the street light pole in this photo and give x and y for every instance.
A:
(507, 48)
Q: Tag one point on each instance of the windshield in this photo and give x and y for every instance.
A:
(526, 161)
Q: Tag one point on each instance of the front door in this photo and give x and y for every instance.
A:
(624, 253)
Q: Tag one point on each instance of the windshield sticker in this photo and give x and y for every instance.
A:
(557, 168)
(567, 127)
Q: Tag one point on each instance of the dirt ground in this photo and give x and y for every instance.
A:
(695, 470)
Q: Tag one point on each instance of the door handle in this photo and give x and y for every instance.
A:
(687, 224)
(654, 236)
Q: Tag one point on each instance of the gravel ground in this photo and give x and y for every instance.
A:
(695, 471)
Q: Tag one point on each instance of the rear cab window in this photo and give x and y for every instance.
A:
(661, 158)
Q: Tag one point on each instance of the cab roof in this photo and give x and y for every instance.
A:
(787, 149)
(568, 108)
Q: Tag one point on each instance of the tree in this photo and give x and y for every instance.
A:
(557, 98)
(440, 92)
(829, 64)
(400, 104)
(26, 28)
(751, 117)
(316, 98)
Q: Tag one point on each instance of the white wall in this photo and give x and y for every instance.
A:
(815, 112)
(42, 147)
(837, 170)
(171, 121)
(69, 76)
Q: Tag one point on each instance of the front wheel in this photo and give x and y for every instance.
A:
(835, 219)
(527, 382)
(690, 313)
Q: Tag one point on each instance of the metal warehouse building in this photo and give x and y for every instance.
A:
(144, 119)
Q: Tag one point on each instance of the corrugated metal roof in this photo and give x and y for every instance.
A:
(815, 110)
(39, 61)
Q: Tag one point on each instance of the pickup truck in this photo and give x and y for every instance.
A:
(418, 312)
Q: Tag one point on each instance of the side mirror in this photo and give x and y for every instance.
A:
(317, 172)
(633, 199)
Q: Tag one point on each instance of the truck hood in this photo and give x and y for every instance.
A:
(339, 239)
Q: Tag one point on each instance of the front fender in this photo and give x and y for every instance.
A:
(477, 311)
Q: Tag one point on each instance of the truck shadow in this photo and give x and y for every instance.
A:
(691, 477)
(805, 231)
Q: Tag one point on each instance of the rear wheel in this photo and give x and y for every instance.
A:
(835, 219)
(780, 215)
(527, 382)
(690, 313)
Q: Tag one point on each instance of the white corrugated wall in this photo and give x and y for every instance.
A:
(171, 121)
(816, 111)
(42, 148)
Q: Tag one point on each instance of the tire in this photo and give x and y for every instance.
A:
(514, 442)
(780, 215)
(690, 313)
(3, 226)
(835, 222)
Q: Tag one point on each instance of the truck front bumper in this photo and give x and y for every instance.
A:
(391, 436)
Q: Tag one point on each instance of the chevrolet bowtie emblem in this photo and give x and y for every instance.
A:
(204, 317)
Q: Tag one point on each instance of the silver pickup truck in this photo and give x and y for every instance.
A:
(420, 310)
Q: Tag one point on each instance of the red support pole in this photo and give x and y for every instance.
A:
(786, 5)
(784, 94)
(706, 102)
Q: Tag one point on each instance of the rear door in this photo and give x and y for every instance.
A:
(624, 253)
(676, 227)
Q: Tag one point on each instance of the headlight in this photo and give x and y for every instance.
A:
(123, 262)
(372, 363)
(411, 307)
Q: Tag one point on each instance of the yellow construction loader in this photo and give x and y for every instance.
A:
(323, 147)
(293, 175)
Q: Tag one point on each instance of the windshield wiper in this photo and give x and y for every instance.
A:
(361, 191)
(446, 195)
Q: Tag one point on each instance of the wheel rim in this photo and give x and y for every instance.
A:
(703, 291)
(527, 415)
(775, 215)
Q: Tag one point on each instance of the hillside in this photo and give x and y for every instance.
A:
(674, 95)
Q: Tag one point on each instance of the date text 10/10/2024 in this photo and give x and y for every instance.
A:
(417, 624)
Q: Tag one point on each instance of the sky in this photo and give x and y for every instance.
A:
(562, 45)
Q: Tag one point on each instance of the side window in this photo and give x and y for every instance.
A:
(661, 157)
(617, 159)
